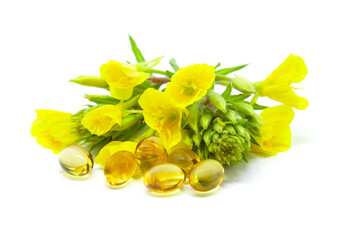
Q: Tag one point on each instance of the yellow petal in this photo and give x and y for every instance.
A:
(121, 93)
(111, 148)
(100, 120)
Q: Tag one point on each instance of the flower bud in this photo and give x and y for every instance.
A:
(230, 129)
(194, 115)
(243, 85)
(206, 117)
(232, 116)
(187, 139)
(90, 81)
(217, 100)
(244, 109)
(240, 130)
(218, 127)
(197, 138)
(130, 120)
(207, 136)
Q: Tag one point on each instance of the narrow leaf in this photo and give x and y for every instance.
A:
(217, 65)
(174, 64)
(226, 71)
(138, 55)
(227, 92)
(238, 98)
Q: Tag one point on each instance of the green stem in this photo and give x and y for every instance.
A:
(133, 111)
(132, 102)
(156, 71)
(254, 99)
(222, 77)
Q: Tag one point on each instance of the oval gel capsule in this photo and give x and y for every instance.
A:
(164, 178)
(150, 152)
(120, 168)
(186, 158)
(76, 161)
(206, 175)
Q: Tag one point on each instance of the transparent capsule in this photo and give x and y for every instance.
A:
(186, 158)
(120, 168)
(206, 175)
(76, 161)
(164, 178)
(150, 152)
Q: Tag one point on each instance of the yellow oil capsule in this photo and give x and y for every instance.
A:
(76, 161)
(164, 178)
(186, 158)
(150, 152)
(206, 175)
(120, 168)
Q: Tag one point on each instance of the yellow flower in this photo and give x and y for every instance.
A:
(190, 84)
(113, 147)
(100, 120)
(53, 129)
(277, 85)
(275, 130)
(161, 114)
(122, 78)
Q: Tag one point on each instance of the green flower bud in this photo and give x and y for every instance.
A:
(230, 129)
(187, 139)
(218, 127)
(244, 109)
(207, 136)
(232, 115)
(197, 138)
(217, 100)
(240, 130)
(130, 120)
(206, 117)
(194, 116)
(215, 136)
(243, 85)
(90, 81)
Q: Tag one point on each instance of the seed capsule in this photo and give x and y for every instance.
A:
(76, 161)
(206, 175)
(185, 158)
(120, 168)
(149, 152)
(164, 178)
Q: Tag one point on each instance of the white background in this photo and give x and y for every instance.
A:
(308, 192)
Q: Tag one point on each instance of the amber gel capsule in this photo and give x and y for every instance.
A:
(206, 175)
(76, 161)
(150, 152)
(164, 178)
(120, 168)
(186, 158)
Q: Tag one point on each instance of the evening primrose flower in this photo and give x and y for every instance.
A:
(100, 120)
(190, 84)
(161, 114)
(113, 147)
(277, 85)
(275, 130)
(54, 129)
(122, 78)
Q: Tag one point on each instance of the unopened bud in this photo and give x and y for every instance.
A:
(130, 120)
(232, 116)
(194, 115)
(197, 138)
(217, 100)
(243, 85)
(244, 109)
(206, 117)
(90, 81)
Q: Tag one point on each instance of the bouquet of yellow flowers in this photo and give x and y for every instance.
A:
(185, 130)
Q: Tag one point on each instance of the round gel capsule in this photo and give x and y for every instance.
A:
(206, 175)
(76, 161)
(164, 178)
(186, 158)
(150, 152)
(120, 168)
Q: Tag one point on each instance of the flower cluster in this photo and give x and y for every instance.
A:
(186, 113)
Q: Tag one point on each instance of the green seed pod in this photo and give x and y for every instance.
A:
(244, 109)
(217, 100)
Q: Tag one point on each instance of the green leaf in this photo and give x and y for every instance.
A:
(259, 107)
(138, 55)
(174, 64)
(238, 98)
(226, 71)
(253, 141)
(226, 94)
(169, 74)
(217, 65)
